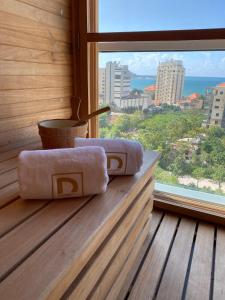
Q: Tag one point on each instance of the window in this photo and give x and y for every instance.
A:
(217, 100)
(221, 93)
(217, 107)
(169, 113)
(193, 34)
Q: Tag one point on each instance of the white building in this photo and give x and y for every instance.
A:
(217, 106)
(101, 84)
(114, 82)
(170, 82)
(133, 101)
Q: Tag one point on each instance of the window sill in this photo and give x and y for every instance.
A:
(206, 210)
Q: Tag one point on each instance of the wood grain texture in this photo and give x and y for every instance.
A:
(28, 108)
(34, 13)
(13, 53)
(8, 193)
(64, 255)
(50, 217)
(124, 264)
(35, 68)
(23, 25)
(21, 83)
(64, 2)
(115, 291)
(15, 152)
(25, 40)
(21, 144)
(30, 95)
(8, 165)
(23, 134)
(123, 283)
(7, 178)
(172, 283)
(89, 279)
(27, 69)
(201, 266)
(145, 285)
(118, 263)
(219, 277)
(17, 212)
(51, 6)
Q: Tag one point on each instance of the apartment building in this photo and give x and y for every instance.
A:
(170, 82)
(133, 101)
(114, 82)
(216, 98)
(102, 73)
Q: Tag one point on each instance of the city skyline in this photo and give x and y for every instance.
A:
(200, 64)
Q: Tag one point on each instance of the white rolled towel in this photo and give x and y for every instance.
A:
(62, 173)
(124, 157)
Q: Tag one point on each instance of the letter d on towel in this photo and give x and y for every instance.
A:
(116, 162)
(66, 185)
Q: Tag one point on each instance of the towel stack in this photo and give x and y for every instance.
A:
(66, 173)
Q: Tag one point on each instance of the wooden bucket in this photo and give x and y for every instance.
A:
(59, 133)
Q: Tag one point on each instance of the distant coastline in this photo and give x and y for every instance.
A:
(192, 84)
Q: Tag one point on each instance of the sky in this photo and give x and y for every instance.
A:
(204, 63)
(142, 15)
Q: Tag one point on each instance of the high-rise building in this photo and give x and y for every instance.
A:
(101, 85)
(216, 103)
(170, 82)
(114, 82)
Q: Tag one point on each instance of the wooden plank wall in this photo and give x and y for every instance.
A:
(35, 68)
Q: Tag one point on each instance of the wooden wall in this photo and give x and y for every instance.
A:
(35, 68)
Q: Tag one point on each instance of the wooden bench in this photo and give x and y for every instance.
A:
(75, 248)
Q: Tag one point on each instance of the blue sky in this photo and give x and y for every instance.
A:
(134, 15)
(141, 15)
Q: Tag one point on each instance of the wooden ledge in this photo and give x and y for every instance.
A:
(51, 246)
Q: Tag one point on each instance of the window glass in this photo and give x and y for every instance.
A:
(148, 15)
(166, 101)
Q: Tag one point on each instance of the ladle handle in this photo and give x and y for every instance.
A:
(98, 112)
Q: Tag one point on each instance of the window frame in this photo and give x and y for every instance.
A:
(87, 42)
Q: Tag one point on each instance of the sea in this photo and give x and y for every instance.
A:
(192, 84)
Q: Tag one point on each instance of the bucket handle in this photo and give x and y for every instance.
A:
(75, 110)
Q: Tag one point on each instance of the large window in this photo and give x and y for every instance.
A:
(169, 60)
(165, 100)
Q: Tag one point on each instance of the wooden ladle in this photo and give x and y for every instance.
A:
(93, 114)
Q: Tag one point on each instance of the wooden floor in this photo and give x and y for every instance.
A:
(183, 259)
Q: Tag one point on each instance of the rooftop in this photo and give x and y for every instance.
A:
(193, 96)
(221, 84)
(150, 88)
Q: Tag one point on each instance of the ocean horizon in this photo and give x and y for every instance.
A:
(192, 84)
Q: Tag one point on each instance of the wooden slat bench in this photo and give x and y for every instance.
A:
(75, 248)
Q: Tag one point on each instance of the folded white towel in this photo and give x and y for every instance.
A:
(62, 173)
(123, 157)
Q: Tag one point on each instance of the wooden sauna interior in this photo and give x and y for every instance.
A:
(36, 68)
(183, 256)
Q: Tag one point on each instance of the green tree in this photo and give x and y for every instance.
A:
(179, 166)
(198, 173)
(219, 174)
(165, 176)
